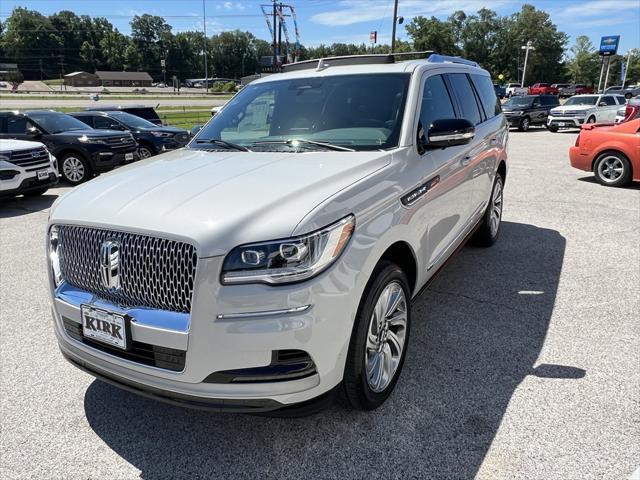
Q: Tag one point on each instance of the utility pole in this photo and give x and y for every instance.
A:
(61, 71)
(40, 69)
(606, 77)
(275, 41)
(395, 21)
(527, 47)
(204, 24)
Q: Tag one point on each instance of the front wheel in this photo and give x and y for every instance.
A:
(379, 340)
(74, 168)
(591, 119)
(488, 232)
(145, 152)
(552, 128)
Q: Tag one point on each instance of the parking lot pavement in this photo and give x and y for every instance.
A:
(523, 362)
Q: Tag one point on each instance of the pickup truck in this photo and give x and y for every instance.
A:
(514, 89)
(577, 89)
(543, 89)
(628, 92)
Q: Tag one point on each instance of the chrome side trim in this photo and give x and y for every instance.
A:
(267, 313)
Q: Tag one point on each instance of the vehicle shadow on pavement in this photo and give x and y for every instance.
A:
(592, 179)
(16, 207)
(477, 333)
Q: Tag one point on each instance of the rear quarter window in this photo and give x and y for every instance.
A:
(487, 94)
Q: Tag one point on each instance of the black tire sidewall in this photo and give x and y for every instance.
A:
(525, 127)
(553, 128)
(357, 389)
(85, 163)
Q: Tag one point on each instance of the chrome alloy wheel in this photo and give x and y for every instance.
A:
(496, 207)
(610, 168)
(144, 152)
(386, 336)
(73, 169)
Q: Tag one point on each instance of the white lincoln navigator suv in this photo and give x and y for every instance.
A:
(272, 262)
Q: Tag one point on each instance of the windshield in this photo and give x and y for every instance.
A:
(57, 122)
(131, 121)
(360, 112)
(519, 102)
(588, 100)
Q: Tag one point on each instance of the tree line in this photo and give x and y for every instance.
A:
(45, 46)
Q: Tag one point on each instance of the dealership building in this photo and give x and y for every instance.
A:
(108, 79)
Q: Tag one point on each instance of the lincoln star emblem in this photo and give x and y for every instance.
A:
(110, 264)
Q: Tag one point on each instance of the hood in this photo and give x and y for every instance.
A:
(216, 200)
(12, 145)
(573, 108)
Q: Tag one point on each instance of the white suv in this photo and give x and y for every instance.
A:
(273, 261)
(581, 109)
(26, 168)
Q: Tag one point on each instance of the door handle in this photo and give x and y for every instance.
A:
(465, 161)
(493, 141)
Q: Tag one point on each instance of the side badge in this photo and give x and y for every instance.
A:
(414, 195)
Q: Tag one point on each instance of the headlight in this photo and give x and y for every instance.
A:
(289, 260)
(85, 139)
(54, 256)
(162, 134)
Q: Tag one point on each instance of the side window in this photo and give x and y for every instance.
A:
(550, 101)
(3, 124)
(436, 102)
(16, 124)
(86, 119)
(621, 100)
(466, 97)
(608, 99)
(487, 94)
(103, 123)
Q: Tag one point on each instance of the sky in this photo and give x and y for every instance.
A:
(350, 21)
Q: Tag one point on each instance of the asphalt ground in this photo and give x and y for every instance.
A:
(523, 362)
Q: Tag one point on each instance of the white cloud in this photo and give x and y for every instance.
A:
(599, 7)
(350, 12)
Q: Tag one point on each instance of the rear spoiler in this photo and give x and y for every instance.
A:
(591, 126)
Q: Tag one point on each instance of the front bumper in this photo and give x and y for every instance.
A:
(25, 182)
(566, 122)
(214, 338)
(103, 161)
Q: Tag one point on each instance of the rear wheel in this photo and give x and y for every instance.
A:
(379, 340)
(488, 232)
(74, 168)
(612, 169)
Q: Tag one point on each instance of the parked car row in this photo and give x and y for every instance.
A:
(563, 90)
(82, 144)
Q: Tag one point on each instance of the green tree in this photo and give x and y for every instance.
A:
(584, 64)
(15, 78)
(152, 37)
(433, 34)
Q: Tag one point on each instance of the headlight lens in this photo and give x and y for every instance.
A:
(289, 260)
(162, 134)
(54, 255)
(85, 139)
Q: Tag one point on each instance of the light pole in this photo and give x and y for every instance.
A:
(395, 21)
(624, 78)
(204, 25)
(527, 47)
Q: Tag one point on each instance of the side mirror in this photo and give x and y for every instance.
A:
(602, 104)
(34, 132)
(449, 132)
(195, 130)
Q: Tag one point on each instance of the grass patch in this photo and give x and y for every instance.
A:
(53, 81)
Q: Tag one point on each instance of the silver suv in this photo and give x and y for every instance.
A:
(272, 262)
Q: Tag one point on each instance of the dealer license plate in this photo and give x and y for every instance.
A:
(128, 157)
(104, 326)
(43, 175)
(562, 124)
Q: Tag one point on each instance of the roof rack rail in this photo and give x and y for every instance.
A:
(435, 58)
(367, 59)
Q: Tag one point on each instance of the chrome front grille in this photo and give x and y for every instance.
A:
(32, 159)
(154, 272)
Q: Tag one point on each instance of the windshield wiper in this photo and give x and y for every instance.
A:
(223, 143)
(295, 141)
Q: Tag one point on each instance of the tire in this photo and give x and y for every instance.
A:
(371, 345)
(627, 96)
(553, 128)
(612, 169)
(36, 193)
(74, 168)
(525, 124)
(489, 230)
(144, 151)
(591, 119)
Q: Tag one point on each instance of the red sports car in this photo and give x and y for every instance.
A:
(612, 153)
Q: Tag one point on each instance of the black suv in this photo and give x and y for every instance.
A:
(148, 113)
(151, 138)
(527, 110)
(81, 151)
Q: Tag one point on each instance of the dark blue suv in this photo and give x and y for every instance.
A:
(152, 139)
